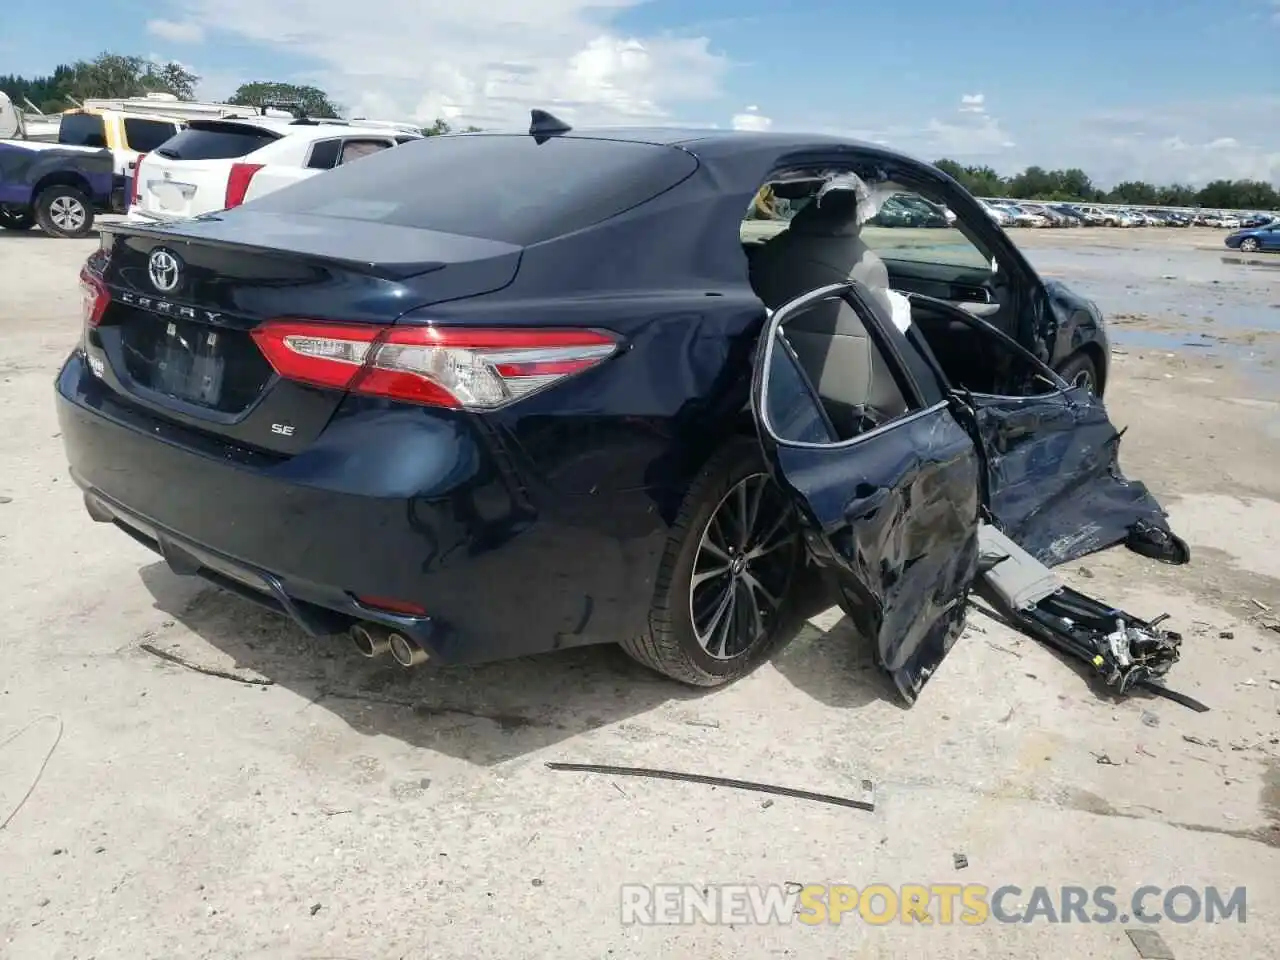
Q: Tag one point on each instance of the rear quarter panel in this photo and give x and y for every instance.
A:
(274, 176)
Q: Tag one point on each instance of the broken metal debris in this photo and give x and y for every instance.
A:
(1124, 650)
(1150, 945)
(866, 803)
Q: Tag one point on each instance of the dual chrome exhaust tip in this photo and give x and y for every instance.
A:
(373, 640)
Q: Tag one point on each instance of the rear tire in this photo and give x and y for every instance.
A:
(684, 640)
(16, 221)
(64, 211)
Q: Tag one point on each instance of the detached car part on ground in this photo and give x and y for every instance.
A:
(501, 427)
(59, 187)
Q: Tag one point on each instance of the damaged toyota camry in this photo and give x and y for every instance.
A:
(491, 395)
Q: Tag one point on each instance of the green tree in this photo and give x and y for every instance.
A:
(440, 127)
(1077, 185)
(115, 75)
(980, 181)
(1176, 195)
(313, 101)
(1239, 194)
(49, 93)
(1136, 192)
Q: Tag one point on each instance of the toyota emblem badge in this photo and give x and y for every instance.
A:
(165, 270)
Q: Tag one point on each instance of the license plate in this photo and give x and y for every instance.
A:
(170, 195)
(190, 364)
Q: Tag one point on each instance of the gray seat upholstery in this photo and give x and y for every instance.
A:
(822, 247)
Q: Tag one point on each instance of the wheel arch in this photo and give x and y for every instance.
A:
(62, 178)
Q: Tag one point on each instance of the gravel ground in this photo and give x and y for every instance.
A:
(343, 810)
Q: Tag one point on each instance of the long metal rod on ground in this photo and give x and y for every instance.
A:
(866, 804)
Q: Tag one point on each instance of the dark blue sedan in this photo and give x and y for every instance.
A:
(1253, 239)
(491, 395)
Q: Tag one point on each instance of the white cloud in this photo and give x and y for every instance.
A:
(482, 63)
(973, 103)
(751, 119)
(960, 140)
(176, 31)
(1186, 142)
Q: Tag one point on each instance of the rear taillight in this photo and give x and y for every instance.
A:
(137, 180)
(93, 297)
(459, 368)
(238, 182)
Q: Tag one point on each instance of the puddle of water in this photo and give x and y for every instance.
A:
(1191, 294)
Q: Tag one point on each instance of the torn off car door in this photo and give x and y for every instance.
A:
(888, 504)
(1052, 474)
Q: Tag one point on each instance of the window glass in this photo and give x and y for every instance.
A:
(912, 228)
(82, 130)
(506, 187)
(145, 135)
(355, 149)
(215, 140)
(793, 412)
(324, 154)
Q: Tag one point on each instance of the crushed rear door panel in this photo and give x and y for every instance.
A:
(892, 514)
(1054, 481)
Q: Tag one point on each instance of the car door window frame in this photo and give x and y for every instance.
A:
(982, 327)
(920, 400)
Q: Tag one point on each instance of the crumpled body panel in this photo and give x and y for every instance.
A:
(1054, 481)
(904, 534)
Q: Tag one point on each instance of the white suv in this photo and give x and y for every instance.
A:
(217, 164)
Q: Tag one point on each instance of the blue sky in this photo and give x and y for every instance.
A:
(1151, 89)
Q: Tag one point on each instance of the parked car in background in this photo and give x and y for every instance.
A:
(126, 133)
(1105, 216)
(462, 370)
(1051, 217)
(61, 188)
(217, 164)
(1254, 239)
(905, 210)
(996, 213)
(1076, 218)
(1022, 217)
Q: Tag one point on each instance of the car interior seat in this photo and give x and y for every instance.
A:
(823, 246)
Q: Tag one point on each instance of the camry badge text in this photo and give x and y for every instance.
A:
(169, 309)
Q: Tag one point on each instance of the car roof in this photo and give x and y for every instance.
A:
(289, 127)
(712, 140)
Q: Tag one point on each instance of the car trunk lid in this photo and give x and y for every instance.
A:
(177, 333)
(173, 189)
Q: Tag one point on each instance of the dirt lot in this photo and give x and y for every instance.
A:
(342, 810)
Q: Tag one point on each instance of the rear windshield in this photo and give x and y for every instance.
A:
(499, 187)
(211, 140)
(82, 130)
(145, 135)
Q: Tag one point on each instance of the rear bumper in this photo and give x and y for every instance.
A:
(434, 518)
